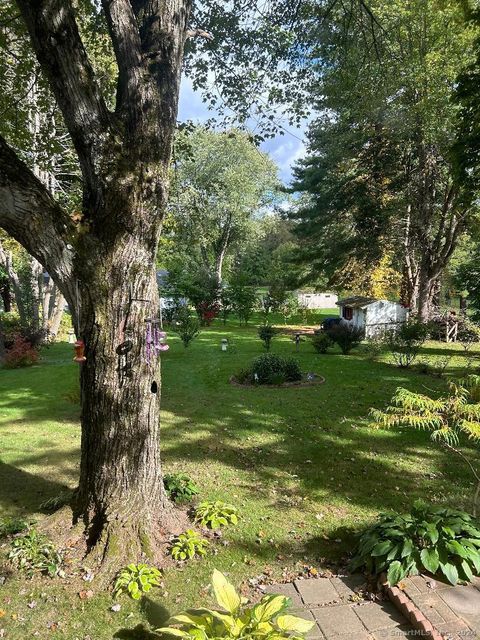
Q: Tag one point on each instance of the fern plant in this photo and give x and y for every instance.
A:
(188, 545)
(266, 620)
(448, 418)
(216, 514)
(136, 579)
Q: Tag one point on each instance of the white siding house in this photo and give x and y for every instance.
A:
(371, 315)
(317, 300)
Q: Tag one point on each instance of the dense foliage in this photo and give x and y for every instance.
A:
(179, 487)
(136, 579)
(187, 545)
(270, 369)
(216, 514)
(430, 538)
(345, 336)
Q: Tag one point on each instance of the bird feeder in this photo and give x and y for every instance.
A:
(79, 348)
(71, 336)
(224, 344)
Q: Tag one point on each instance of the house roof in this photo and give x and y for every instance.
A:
(356, 302)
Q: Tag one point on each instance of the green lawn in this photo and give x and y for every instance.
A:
(300, 464)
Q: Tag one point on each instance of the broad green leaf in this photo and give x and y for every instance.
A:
(225, 593)
(430, 559)
(450, 571)
(407, 548)
(382, 548)
(292, 623)
(395, 573)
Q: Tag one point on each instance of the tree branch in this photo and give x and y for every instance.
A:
(29, 214)
(60, 51)
(125, 37)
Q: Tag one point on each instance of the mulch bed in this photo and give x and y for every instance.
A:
(300, 383)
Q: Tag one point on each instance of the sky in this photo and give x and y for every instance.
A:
(284, 149)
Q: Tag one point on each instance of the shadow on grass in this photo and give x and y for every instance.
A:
(156, 615)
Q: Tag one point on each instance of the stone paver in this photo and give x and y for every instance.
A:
(335, 621)
(317, 592)
(347, 585)
(465, 600)
(376, 617)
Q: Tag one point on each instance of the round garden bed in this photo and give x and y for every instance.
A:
(306, 381)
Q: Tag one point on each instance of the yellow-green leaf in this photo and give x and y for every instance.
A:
(292, 623)
(225, 593)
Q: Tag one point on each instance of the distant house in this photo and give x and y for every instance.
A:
(372, 315)
(317, 300)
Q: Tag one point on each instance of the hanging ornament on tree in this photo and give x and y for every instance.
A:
(155, 340)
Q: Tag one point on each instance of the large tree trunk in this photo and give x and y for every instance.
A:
(106, 265)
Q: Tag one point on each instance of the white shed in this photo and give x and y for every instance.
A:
(317, 300)
(372, 315)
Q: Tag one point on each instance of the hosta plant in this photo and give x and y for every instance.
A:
(188, 545)
(35, 553)
(179, 487)
(10, 526)
(216, 514)
(266, 620)
(136, 579)
(433, 539)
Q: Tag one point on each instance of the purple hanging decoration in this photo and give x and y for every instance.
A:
(148, 340)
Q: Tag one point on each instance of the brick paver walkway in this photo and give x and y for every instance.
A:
(340, 613)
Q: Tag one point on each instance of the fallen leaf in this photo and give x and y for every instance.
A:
(85, 594)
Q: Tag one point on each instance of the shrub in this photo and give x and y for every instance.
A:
(34, 553)
(430, 538)
(216, 514)
(10, 526)
(186, 327)
(263, 621)
(136, 579)
(406, 342)
(188, 545)
(179, 487)
(208, 311)
(271, 369)
(20, 354)
(11, 327)
(468, 333)
(345, 336)
(266, 333)
(321, 342)
(450, 417)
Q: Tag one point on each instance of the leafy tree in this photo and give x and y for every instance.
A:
(112, 71)
(244, 297)
(448, 418)
(379, 179)
(220, 182)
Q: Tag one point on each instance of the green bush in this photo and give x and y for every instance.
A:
(136, 579)
(345, 336)
(431, 539)
(263, 621)
(216, 514)
(35, 553)
(321, 342)
(188, 545)
(266, 333)
(10, 526)
(187, 327)
(179, 487)
(406, 342)
(271, 369)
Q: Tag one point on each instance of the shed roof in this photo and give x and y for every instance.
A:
(356, 301)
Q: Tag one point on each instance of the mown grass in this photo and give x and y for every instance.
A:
(301, 464)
